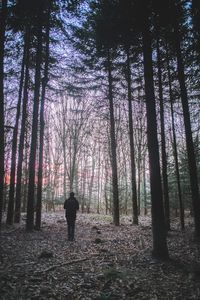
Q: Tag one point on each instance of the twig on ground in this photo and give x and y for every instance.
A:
(63, 264)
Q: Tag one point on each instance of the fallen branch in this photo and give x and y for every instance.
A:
(25, 264)
(61, 265)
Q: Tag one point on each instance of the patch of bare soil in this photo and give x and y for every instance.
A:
(105, 262)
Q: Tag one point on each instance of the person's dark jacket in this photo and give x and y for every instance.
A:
(71, 206)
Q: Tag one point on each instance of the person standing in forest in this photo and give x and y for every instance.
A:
(71, 206)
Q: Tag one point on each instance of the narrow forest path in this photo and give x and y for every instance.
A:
(105, 262)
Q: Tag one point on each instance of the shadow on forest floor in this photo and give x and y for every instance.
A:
(105, 262)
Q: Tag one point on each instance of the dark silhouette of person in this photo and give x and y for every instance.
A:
(71, 206)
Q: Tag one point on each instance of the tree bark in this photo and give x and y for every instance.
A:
(22, 133)
(144, 186)
(160, 249)
(32, 158)
(64, 149)
(139, 177)
(175, 152)
(98, 179)
(10, 211)
(163, 144)
(3, 15)
(131, 140)
(41, 146)
(196, 26)
(113, 145)
(188, 134)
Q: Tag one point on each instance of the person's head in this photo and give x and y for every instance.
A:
(72, 194)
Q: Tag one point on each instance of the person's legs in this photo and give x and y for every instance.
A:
(69, 231)
(72, 230)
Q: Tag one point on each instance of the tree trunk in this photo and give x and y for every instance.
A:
(3, 14)
(131, 140)
(160, 249)
(32, 159)
(196, 26)
(24, 192)
(22, 134)
(125, 176)
(73, 158)
(10, 211)
(98, 179)
(41, 146)
(144, 186)
(139, 177)
(188, 134)
(84, 162)
(105, 185)
(91, 183)
(64, 150)
(175, 152)
(113, 146)
(163, 144)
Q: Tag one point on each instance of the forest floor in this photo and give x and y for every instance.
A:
(105, 262)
